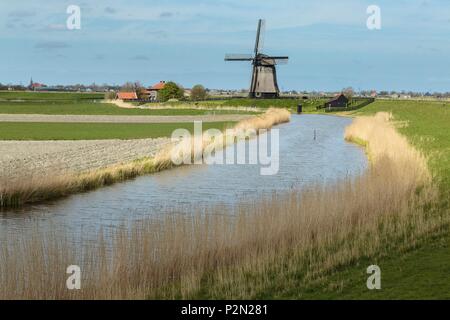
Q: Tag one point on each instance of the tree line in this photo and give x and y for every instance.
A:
(171, 91)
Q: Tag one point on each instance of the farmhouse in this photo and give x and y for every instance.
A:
(126, 96)
(341, 101)
(153, 90)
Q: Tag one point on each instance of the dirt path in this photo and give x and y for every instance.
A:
(118, 119)
(37, 158)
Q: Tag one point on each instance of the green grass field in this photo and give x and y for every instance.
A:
(68, 103)
(91, 131)
(95, 108)
(88, 103)
(38, 96)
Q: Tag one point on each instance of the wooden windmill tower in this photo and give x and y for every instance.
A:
(264, 76)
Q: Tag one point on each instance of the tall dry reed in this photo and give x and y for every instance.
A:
(313, 230)
(381, 140)
(184, 106)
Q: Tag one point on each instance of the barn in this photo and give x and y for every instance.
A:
(340, 101)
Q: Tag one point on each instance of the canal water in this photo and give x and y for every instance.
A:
(312, 150)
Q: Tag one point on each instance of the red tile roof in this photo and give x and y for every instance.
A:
(37, 85)
(127, 95)
(159, 85)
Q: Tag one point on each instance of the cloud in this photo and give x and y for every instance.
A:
(51, 45)
(140, 57)
(110, 10)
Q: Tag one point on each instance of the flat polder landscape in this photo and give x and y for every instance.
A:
(225, 159)
(385, 203)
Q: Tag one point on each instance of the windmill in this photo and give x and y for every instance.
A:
(264, 76)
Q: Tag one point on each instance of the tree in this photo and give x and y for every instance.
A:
(110, 95)
(349, 93)
(170, 91)
(141, 93)
(198, 93)
(128, 87)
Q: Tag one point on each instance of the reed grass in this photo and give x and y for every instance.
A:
(18, 192)
(185, 106)
(240, 252)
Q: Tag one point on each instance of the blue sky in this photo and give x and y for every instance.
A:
(327, 41)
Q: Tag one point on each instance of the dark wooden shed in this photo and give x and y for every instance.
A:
(340, 101)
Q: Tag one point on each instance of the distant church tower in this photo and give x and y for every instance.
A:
(30, 86)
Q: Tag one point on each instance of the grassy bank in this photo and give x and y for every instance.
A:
(36, 189)
(413, 273)
(266, 249)
(94, 131)
(427, 127)
(417, 272)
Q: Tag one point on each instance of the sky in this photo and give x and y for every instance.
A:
(328, 43)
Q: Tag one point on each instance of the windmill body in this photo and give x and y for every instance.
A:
(264, 76)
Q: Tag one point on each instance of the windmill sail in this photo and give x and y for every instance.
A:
(260, 35)
(280, 60)
(238, 57)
